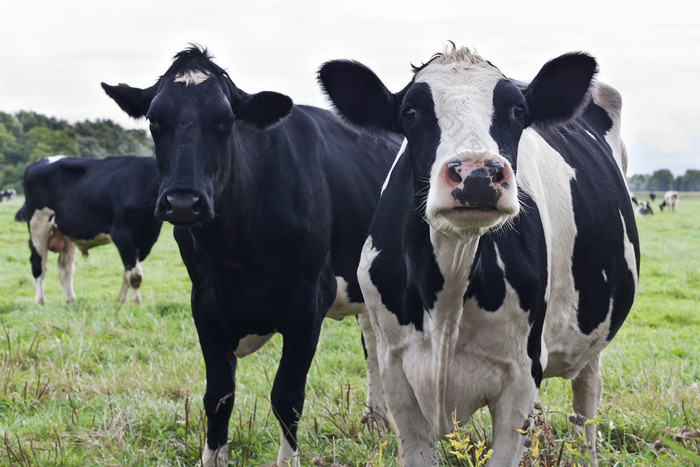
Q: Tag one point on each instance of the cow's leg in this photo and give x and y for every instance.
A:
(587, 388)
(287, 397)
(134, 277)
(375, 393)
(133, 273)
(414, 433)
(509, 413)
(220, 363)
(40, 226)
(66, 269)
(38, 262)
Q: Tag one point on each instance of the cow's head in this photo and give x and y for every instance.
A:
(463, 120)
(193, 110)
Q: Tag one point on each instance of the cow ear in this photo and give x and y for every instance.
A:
(561, 90)
(264, 109)
(133, 101)
(359, 95)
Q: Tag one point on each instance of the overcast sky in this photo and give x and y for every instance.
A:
(55, 53)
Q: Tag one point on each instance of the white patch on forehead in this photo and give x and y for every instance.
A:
(192, 77)
(462, 87)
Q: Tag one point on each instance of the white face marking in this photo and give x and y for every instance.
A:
(462, 90)
(192, 77)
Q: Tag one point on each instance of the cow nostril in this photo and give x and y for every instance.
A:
(498, 177)
(197, 205)
(453, 172)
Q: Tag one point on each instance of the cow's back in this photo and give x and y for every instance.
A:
(355, 163)
(90, 196)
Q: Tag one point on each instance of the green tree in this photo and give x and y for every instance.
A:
(42, 142)
(637, 182)
(104, 138)
(10, 150)
(661, 180)
(690, 181)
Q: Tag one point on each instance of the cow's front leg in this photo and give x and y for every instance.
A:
(509, 413)
(220, 363)
(40, 227)
(288, 389)
(66, 270)
(414, 433)
(376, 406)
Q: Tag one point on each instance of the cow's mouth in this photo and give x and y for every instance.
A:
(475, 208)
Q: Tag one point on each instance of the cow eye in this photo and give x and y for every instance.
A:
(519, 112)
(155, 128)
(409, 114)
(224, 126)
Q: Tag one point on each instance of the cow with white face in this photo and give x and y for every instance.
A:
(503, 249)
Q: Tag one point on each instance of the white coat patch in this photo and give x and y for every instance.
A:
(53, 159)
(342, 306)
(250, 344)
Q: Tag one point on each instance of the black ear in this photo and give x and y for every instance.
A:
(264, 109)
(359, 95)
(133, 101)
(561, 89)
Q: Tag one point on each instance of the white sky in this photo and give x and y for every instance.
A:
(55, 53)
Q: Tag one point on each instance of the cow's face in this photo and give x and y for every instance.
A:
(193, 112)
(463, 121)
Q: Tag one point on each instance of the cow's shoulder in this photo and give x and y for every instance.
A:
(403, 269)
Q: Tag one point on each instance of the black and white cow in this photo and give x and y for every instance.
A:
(670, 201)
(644, 208)
(8, 194)
(503, 249)
(82, 203)
(271, 203)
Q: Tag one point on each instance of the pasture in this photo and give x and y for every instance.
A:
(92, 383)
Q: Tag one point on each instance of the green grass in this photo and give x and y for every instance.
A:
(92, 383)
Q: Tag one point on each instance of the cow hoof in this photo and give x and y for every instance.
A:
(211, 458)
(371, 418)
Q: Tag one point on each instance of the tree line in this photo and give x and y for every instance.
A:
(28, 136)
(663, 180)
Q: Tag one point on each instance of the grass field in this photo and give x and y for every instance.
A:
(91, 383)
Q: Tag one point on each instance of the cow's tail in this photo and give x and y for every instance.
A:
(22, 215)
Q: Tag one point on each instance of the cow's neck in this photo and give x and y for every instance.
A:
(454, 257)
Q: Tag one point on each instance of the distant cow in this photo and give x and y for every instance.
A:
(503, 249)
(7, 194)
(271, 203)
(644, 208)
(652, 196)
(670, 201)
(83, 203)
